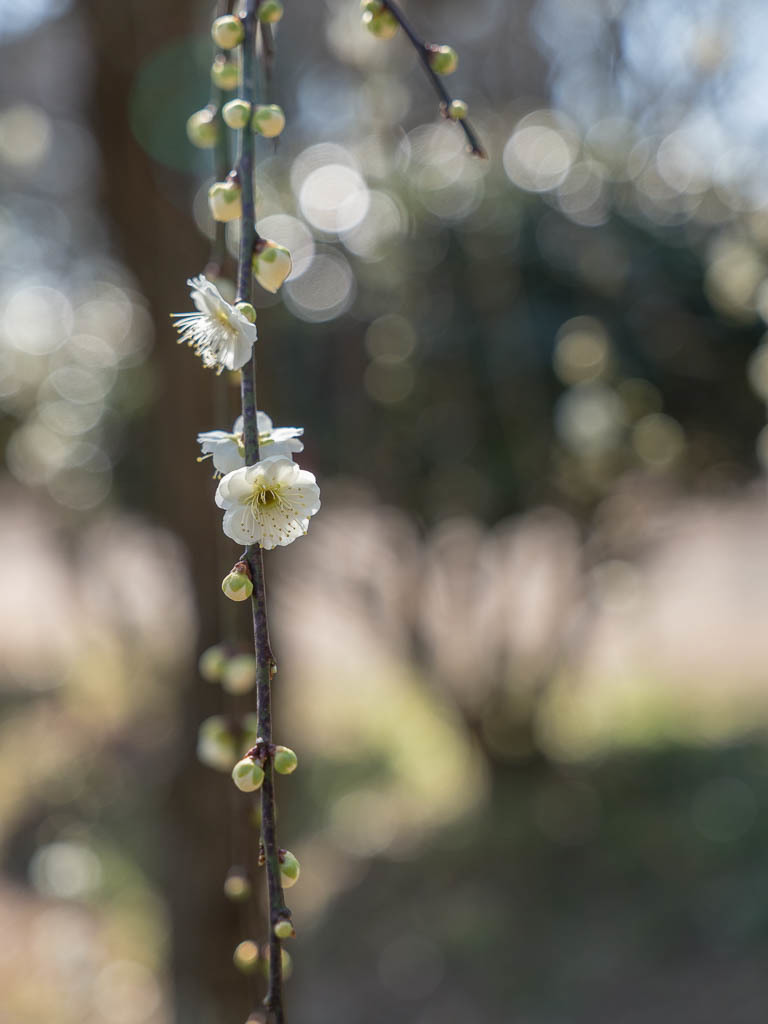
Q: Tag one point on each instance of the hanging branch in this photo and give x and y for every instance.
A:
(425, 52)
(268, 501)
(265, 664)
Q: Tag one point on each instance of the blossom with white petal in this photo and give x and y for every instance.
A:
(269, 503)
(219, 333)
(228, 449)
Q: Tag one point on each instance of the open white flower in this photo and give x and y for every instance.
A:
(269, 503)
(228, 450)
(219, 333)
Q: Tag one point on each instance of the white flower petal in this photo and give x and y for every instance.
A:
(241, 525)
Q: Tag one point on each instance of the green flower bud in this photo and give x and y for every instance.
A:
(442, 59)
(271, 264)
(236, 113)
(289, 869)
(237, 885)
(284, 929)
(458, 110)
(246, 310)
(270, 11)
(268, 121)
(202, 128)
(224, 74)
(239, 674)
(248, 775)
(238, 585)
(225, 200)
(212, 662)
(371, 6)
(246, 956)
(285, 760)
(382, 24)
(216, 747)
(227, 32)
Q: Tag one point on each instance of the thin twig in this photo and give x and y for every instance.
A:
(253, 555)
(267, 57)
(445, 98)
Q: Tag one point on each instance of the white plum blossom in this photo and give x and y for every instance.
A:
(228, 449)
(269, 503)
(218, 332)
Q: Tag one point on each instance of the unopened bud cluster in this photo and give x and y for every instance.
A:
(248, 773)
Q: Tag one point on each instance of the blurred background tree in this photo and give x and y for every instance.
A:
(522, 650)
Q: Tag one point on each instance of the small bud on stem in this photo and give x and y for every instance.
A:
(270, 11)
(224, 74)
(271, 264)
(442, 59)
(227, 32)
(237, 585)
(285, 760)
(289, 868)
(236, 113)
(268, 121)
(248, 775)
(202, 128)
(225, 200)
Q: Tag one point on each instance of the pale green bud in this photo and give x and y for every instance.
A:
(246, 956)
(458, 110)
(246, 310)
(236, 113)
(237, 585)
(284, 929)
(285, 760)
(225, 200)
(289, 869)
(371, 6)
(227, 32)
(270, 11)
(202, 128)
(248, 775)
(224, 74)
(212, 662)
(268, 121)
(237, 885)
(216, 747)
(271, 264)
(239, 675)
(382, 24)
(442, 59)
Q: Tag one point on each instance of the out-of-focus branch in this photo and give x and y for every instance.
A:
(423, 50)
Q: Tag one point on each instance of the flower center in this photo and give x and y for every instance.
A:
(266, 497)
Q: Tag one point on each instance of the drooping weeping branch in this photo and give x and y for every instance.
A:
(423, 51)
(253, 555)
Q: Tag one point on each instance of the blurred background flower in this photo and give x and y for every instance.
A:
(521, 652)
